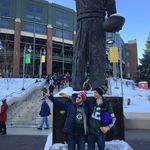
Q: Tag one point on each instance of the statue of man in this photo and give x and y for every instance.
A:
(90, 41)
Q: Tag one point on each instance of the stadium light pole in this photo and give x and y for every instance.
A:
(24, 59)
(63, 51)
(42, 50)
(111, 43)
(1, 46)
(121, 72)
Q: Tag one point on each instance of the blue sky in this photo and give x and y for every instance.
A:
(137, 25)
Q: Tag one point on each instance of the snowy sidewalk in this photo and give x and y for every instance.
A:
(22, 142)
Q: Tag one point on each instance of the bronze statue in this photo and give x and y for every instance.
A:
(91, 38)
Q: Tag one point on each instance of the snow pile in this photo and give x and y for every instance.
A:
(111, 145)
(117, 145)
(48, 142)
(70, 91)
(10, 88)
(139, 98)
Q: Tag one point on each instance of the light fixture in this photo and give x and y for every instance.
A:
(44, 51)
(109, 41)
(30, 49)
(1, 46)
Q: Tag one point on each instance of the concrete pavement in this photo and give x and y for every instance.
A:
(137, 120)
(138, 139)
(22, 142)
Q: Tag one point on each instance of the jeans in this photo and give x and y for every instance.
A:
(2, 126)
(99, 139)
(44, 119)
(74, 139)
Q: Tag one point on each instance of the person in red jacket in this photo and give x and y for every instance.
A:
(3, 117)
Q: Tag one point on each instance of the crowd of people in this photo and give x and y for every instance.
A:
(58, 81)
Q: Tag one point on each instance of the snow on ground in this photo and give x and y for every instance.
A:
(111, 145)
(12, 87)
(140, 98)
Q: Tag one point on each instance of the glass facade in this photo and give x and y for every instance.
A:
(5, 3)
(34, 12)
(6, 14)
(62, 19)
(34, 18)
(39, 43)
(6, 54)
(63, 34)
(4, 23)
(34, 27)
(63, 24)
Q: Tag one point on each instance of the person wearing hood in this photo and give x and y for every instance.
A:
(3, 117)
(101, 120)
(75, 126)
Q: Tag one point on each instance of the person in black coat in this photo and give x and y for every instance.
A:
(51, 89)
(75, 126)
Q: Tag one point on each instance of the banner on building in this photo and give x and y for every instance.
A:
(28, 58)
(108, 54)
(114, 57)
(43, 58)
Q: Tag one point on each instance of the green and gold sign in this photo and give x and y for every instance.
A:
(28, 58)
(114, 55)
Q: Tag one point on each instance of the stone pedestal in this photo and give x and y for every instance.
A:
(117, 132)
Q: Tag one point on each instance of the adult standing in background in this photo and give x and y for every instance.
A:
(3, 117)
(44, 111)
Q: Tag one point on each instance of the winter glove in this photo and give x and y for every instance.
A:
(45, 95)
(64, 95)
(105, 129)
(112, 115)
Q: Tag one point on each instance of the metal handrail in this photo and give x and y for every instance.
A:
(17, 92)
